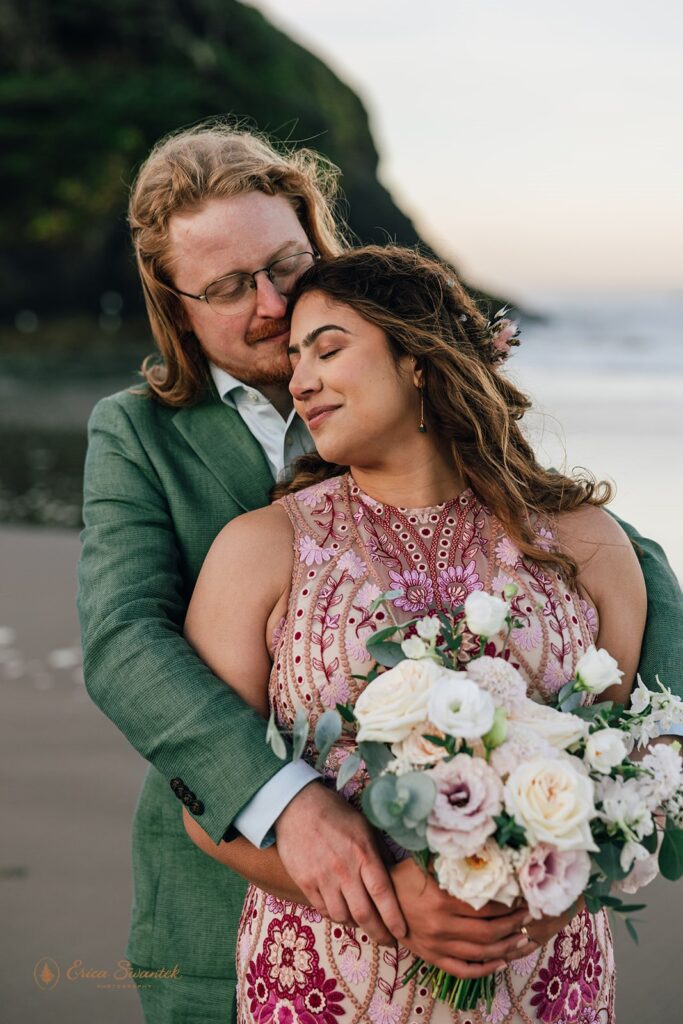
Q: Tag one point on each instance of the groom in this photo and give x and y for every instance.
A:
(222, 225)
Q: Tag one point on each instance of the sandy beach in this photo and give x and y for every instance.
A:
(70, 781)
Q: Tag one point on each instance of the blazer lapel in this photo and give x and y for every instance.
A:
(221, 439)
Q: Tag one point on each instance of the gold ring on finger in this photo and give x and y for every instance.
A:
(525, 931)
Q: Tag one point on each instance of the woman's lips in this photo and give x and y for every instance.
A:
(318, 416)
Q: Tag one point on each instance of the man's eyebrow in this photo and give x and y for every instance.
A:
(314, 335)
(275, 255)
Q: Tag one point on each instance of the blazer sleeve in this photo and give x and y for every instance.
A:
(662, 651)
(138, 667)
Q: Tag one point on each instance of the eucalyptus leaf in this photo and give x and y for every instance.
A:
(566, 691)
(345, 711)
(650, 842)
(380, 636)
(592, 710)
(388, 653)
(273, 737)
(376, 756)
(299, 733)
(571, 702)
(327, 732)
(389, 595)
(348, 770)
(631, 928)
(671, 853)
(607, 860)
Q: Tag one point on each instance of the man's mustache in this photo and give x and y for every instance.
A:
(270, 329)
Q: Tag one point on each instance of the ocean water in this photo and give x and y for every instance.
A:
(605, 372)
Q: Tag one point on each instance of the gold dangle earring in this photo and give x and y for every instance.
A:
(422, 428)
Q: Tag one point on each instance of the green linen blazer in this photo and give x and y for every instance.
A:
(160, 483)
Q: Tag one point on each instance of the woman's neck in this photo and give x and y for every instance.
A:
(405, 484)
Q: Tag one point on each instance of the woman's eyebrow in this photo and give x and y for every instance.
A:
(314, 335)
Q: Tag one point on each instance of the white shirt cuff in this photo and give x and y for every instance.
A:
(673, 730)
(256, 819)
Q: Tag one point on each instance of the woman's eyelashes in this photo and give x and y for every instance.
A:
(331, 352)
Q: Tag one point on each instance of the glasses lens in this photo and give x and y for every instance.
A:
(230, 294)
(285, 272)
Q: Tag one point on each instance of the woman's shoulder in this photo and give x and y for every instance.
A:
(254, 550)
(603, 552)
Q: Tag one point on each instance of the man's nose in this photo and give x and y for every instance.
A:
(270, 304)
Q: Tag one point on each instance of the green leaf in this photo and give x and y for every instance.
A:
(376, 756)
(607, 859)
(590, 712)
(671, 853)
(593, 903)
(387, 653)
(571, 702)
(345, 710)
(386, 596)
(327, 732)
(650, 842)
(299, 733)
(566, 691)
(631, 928)
(380, 636)
(630, 908)
(273, 737)
(348, 770)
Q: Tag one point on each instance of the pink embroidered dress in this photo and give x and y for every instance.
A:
(294, 966)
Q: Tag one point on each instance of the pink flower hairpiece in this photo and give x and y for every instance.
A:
(504, 335)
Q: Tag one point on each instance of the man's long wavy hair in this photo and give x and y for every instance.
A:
(469, 405)
(213, 160)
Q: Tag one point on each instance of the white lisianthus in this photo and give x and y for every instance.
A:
(429, 627)
(485, 875)
(395, 702)
(553, 802)
(597, 670)
(625, 807)
(414, 647)
(459, 708)
(416, 751)
(559, 728)
(605, 749)
(485, 614)
(640, 698)
(642, 867)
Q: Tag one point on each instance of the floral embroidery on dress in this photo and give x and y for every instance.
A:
(417, 590)
(295, 966)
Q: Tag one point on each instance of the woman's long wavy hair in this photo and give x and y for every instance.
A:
(469, 405)
(213, 160)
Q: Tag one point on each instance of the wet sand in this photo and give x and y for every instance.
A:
(69, 785)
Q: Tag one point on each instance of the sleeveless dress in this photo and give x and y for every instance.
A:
(292, 964)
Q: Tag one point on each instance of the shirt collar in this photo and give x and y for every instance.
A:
(225, 382)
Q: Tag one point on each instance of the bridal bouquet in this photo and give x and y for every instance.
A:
(496, 795)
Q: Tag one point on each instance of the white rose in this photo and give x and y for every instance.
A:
(597, 670)
(395, 702)
(553, 802)
(559, 728)
(413, 647)
(459, 708)
(429, 627)
(605, 749)
(484, 876)
(485, 615)
(416, 750)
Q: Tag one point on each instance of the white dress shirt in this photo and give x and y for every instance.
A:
(282, 442)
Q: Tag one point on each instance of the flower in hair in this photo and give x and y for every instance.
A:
(504, 335)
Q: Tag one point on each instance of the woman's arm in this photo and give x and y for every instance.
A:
(610, 575)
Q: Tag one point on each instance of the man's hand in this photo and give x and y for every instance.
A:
(452, 935)
(330, 851)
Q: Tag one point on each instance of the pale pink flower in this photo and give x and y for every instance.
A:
(417, 590)
(354, 969)
(468, 795)
(357, 650)
(500, 1007)
(507, 552)
(368, 593)
(311, 553)
(545, 539)
(551, 879)
(382, 1012)
(500, 679)
(555, 676)
(499, 582)
(312, 495)
(590, 617)
(529, 636)
(350, 563)
(335, 690)
(457, 581)
(526, 964)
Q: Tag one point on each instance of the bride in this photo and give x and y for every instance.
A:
(422, 485)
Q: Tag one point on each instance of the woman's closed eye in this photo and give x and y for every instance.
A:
(326, 355)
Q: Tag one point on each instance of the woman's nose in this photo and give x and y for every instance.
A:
(303, 382)
(270, 304)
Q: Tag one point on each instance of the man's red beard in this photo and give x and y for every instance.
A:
(271, 363)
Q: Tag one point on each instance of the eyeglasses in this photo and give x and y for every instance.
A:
(235, 293)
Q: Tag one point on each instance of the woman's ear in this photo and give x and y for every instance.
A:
(418, 375)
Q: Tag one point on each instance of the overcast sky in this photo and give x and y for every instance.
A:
(538, 143)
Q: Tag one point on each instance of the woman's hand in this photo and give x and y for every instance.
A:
(452, 935)
(542, 930)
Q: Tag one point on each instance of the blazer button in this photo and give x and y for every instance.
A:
(177, 784)
(197, 807)
(188, 797)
